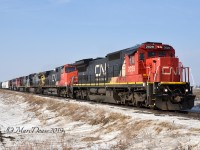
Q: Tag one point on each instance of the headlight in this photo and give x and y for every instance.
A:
(166, 90)
(186, 90)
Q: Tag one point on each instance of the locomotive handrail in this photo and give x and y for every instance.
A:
(185, 74)
(149, 74)
(155, 75)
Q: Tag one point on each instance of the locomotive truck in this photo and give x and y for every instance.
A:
(146, 75)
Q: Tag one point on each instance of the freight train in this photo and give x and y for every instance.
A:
(146, 75)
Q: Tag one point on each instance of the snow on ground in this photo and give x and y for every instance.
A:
(29, 121)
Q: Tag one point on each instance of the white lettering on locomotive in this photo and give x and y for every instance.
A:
(150, 46)
(131, 69)
(100, 70)
(167, 47)
(169, 70)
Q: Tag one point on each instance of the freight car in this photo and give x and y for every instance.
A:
(5, 85)
(146, 75)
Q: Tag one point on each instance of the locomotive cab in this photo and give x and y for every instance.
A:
(153, 62)
(161, 63)
(167, 81)
(68, 75)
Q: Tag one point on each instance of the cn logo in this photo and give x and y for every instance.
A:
(100, 70)
(169, 70)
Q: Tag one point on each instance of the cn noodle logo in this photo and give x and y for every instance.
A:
(100, 70)
(169, 70)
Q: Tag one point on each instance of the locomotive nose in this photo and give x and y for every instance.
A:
(163, 69)
(169, 69)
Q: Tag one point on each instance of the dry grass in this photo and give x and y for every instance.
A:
(139, 125)
(42, 145)
(131, 131)
(102, 118)
(162, 126)
(8, 96)
(197, 93)
(74, 111)
(143, 129)
(121, 145)
(108, 122)
(158, 129)
(168, 126)
(91, 139)
(195, 129)
(182, 146)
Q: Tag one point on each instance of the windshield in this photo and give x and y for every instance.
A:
(151, 54)
(161, 54)
(70, 69)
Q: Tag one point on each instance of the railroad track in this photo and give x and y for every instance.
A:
(187, 114)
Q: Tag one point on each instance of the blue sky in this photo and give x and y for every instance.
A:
(38, 35)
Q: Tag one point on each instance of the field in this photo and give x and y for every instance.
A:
(33, 122)
(197, 93)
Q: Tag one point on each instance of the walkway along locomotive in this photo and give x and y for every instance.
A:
(147, 75)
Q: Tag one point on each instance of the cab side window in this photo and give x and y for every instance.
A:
(132, 60)
(70, 69)
(62, 70)
(141, 56)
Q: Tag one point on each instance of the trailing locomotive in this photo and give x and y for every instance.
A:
(147, 75)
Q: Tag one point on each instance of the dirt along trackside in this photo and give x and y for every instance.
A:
(29, 121)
